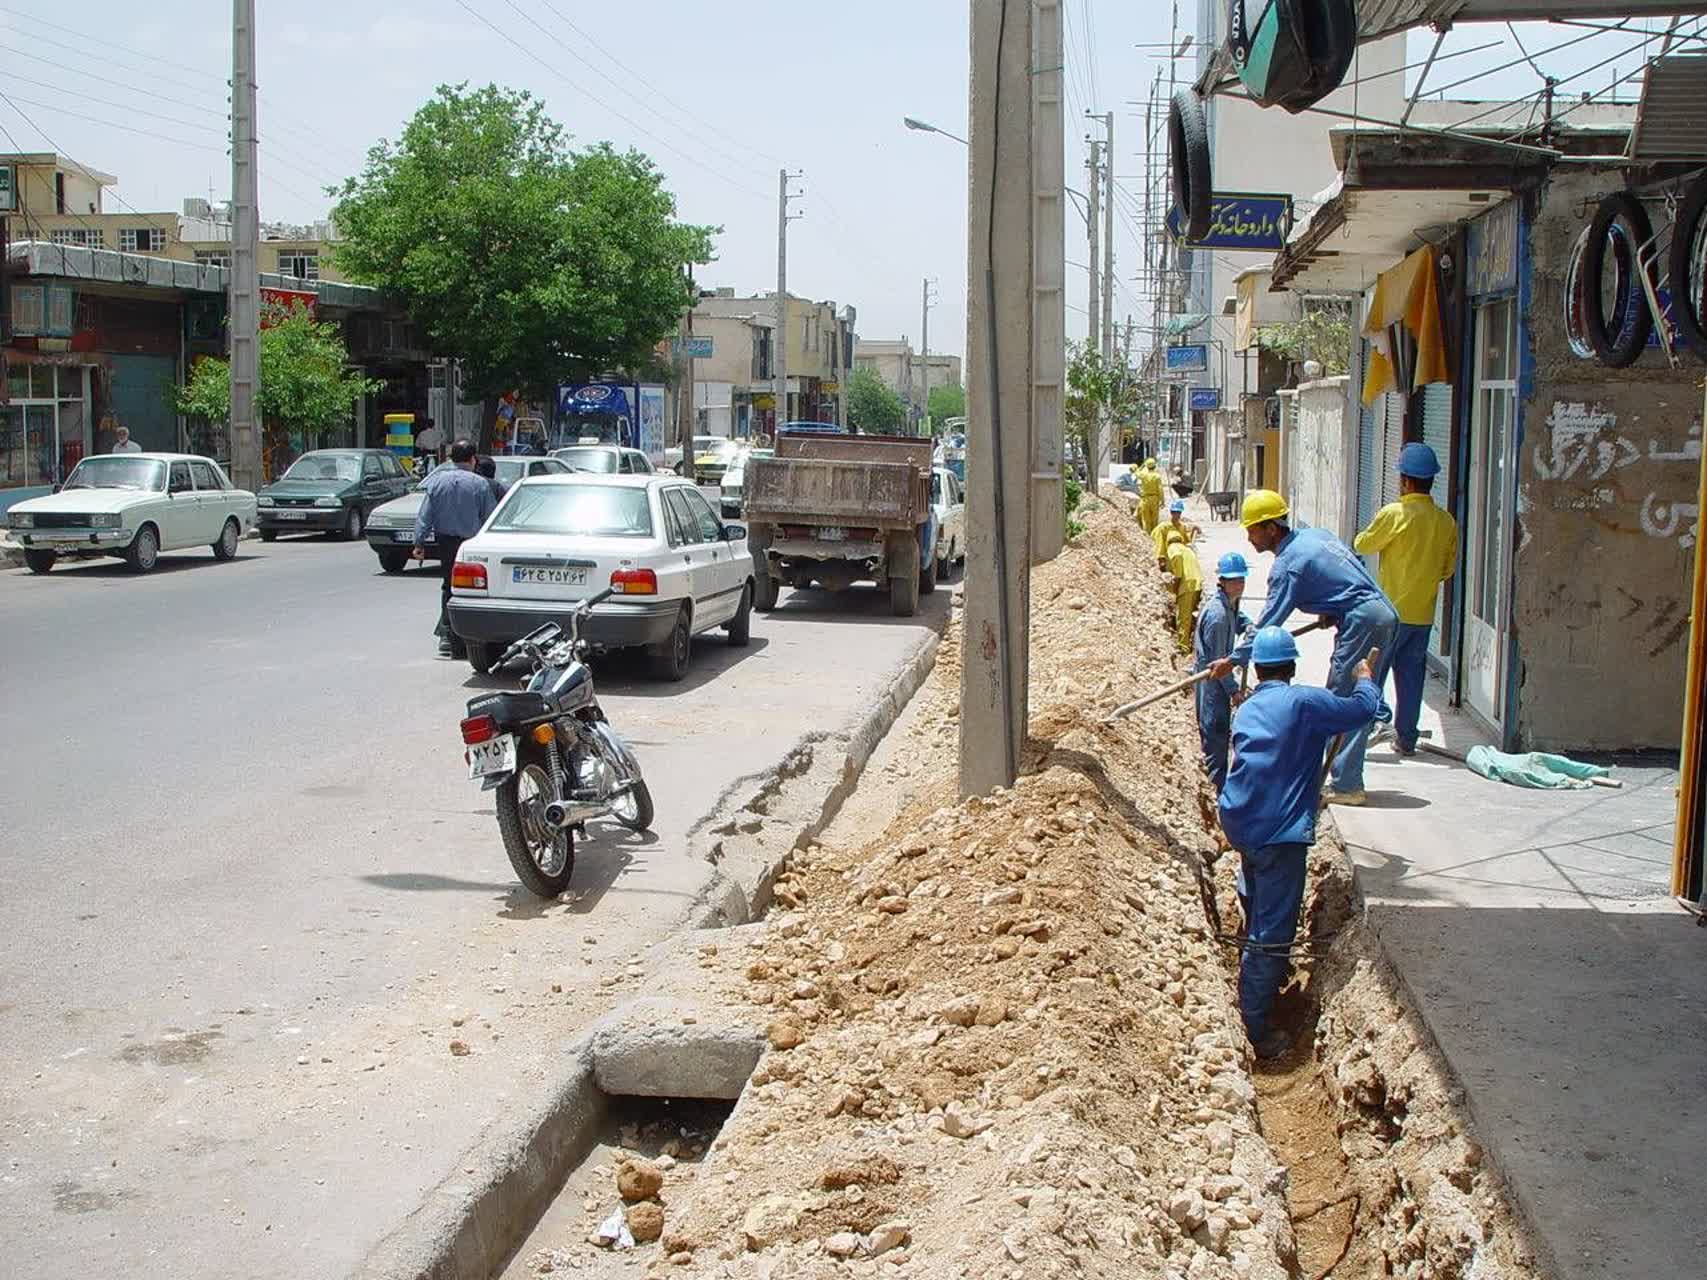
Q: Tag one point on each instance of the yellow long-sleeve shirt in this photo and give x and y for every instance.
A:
(1150, 484)
(1167, 531)
(1182, 563)
(1418, 546)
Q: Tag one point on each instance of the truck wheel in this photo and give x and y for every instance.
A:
(927, 578)
(765, 590)
(904, 595)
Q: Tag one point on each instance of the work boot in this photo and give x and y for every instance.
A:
(1403, 750)
(1272, 1045)
(1349, 799)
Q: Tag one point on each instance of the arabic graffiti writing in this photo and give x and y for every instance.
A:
(1583, 445)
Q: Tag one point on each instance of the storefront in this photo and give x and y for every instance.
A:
(44, 425)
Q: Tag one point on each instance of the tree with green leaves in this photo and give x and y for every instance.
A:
(531, 263)
(872, 406)
(307, 386)
(1101, 395)
(1322, 332)
(947, 402)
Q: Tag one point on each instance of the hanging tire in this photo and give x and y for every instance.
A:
(226, 547)
(1576, 325)
(1619, 338)
(542, 858)
(1188, 160)
(1688, 267)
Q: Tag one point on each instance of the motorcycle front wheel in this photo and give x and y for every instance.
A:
(542, 857)
(634, 810)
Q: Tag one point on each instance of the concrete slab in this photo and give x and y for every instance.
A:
(1554, 971)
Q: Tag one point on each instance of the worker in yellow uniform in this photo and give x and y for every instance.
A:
(1149, 496)
(1188, 586)
(1176, 527)
(1418, 546)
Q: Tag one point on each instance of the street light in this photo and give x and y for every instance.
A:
(923, 127)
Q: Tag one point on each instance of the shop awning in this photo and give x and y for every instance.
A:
(1407, 296)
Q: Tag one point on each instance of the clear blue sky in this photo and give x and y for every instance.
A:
(696, 86)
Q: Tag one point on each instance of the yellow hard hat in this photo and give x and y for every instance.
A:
(1262, 505)
(1149, 464)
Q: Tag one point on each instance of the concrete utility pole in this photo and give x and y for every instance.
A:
(244, 319)
(780, 343)
(925, 343)
(999, 320)
(1108, 238)
(1093, 319)
(1048, 283)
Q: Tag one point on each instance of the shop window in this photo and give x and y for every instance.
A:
(29, 309)
(304, 266)
(83, 237)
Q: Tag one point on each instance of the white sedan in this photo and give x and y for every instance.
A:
(677, 569)
(949, 504)
(134, 506)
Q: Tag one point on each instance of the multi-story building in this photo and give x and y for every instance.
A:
(735, 386)
(907, 373)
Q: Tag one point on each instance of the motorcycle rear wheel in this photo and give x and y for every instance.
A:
(543, 859)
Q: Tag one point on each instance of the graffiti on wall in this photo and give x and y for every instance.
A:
(1583, 445)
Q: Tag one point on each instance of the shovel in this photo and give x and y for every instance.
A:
(1126, 709)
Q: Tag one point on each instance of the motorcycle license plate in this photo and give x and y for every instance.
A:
(495, 755)
(832, 533)
(576, 577)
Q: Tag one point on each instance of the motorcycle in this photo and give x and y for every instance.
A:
(552, 757)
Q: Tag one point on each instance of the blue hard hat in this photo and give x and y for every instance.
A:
(1274, 647)
(1417, 461)
(1177, 507)
(1231, 565)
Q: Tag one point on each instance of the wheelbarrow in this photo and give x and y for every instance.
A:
(1221, 504)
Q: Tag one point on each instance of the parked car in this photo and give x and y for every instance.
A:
(949, 506)
(604, 459)
(682, 464)
(134, 505)
(735, 479)
(391, 528)
(331, 490)
(677, 569)
(710, 461)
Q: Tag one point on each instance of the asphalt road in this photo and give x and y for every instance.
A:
(250, 896)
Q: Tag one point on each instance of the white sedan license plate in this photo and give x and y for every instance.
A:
(403, 535)
(291, 515)
(832, 533)
(539, 577)
(495, 755)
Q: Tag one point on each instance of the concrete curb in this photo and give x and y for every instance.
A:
(469, 1225)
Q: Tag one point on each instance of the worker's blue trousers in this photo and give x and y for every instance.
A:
(1410, 669)
(1214, 732)
(1274, 883)
(1372, 625)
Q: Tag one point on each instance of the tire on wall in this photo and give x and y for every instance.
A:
(1688, 303)
(1620, 338)
(1188, 159)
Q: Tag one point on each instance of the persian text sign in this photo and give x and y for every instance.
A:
(1242, 220)
(1188, 358)
(1204, 399)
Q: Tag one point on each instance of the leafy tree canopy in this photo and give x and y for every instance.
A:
(305, 382)
(532, 263)
(947, 402)
(872, 406)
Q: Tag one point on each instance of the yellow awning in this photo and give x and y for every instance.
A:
(1406, 294)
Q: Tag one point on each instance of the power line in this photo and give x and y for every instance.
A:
(54, 26)
(108, 102)
(109, 124)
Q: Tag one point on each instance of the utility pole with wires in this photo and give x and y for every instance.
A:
(780, 342)
(1048, 279)
(926, 298)
(1093, 321)
(244, 306)
(1107, 321)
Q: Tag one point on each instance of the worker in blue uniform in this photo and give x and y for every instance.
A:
(1315, 572)
(1268, 809)
(1219, 626)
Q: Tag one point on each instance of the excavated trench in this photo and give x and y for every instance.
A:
(1000, 1038)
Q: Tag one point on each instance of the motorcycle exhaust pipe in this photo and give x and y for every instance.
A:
(560, 813)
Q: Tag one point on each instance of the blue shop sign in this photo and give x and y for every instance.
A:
(1242, 220)
(1188, 358)
(1204, 399)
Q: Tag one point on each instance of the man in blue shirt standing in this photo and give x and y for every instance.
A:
(1315, 572)
(1219, 625)
(1268, 809)
(454, 504)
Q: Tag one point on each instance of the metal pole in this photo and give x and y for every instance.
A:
(1093, 319)
(999, 352)
(1049, 283)
(781, 343)
(925, 345)
(245, 277)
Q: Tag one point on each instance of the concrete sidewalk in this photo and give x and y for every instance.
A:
(1536, 935)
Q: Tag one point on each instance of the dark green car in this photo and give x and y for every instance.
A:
(330, 491)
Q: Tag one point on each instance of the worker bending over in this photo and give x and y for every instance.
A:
(1149, 496)
(1181, 561)
(1418, 546)
(1268, 810)
(1175, 526)
(1315, 572)
(1218, 627)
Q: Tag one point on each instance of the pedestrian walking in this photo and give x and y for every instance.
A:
(486, 467)
(454, 504)
(1315, 572)
(1418, 547)
(1219, 627)
(1268, 810)
(1188, 588)
(1149, 496)
(122, 443)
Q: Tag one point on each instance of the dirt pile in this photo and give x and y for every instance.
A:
(1002, 1040)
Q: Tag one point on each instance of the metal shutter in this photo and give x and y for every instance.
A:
(1437, 430)
(1370, 421)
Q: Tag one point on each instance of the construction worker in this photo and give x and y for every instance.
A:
(1418, 546)
(1175, 527)
(1268, 809)
(1149, 496)
(1315, 572)
(1188, 587)
(1218, 626)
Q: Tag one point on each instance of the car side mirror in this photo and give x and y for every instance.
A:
(734, 533)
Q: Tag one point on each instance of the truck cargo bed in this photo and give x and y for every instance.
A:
(868, 481)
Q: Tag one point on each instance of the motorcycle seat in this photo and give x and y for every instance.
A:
(512, 707)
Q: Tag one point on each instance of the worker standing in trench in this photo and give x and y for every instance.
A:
(1268, 810)
(1219, 627)
(1174, 527)
(1315, 572)
(1418, 546)
(1188, 586)
(1149, 496)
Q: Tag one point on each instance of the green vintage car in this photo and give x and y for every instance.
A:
(330, 491)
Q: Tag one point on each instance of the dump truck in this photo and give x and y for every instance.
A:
(835, 509)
